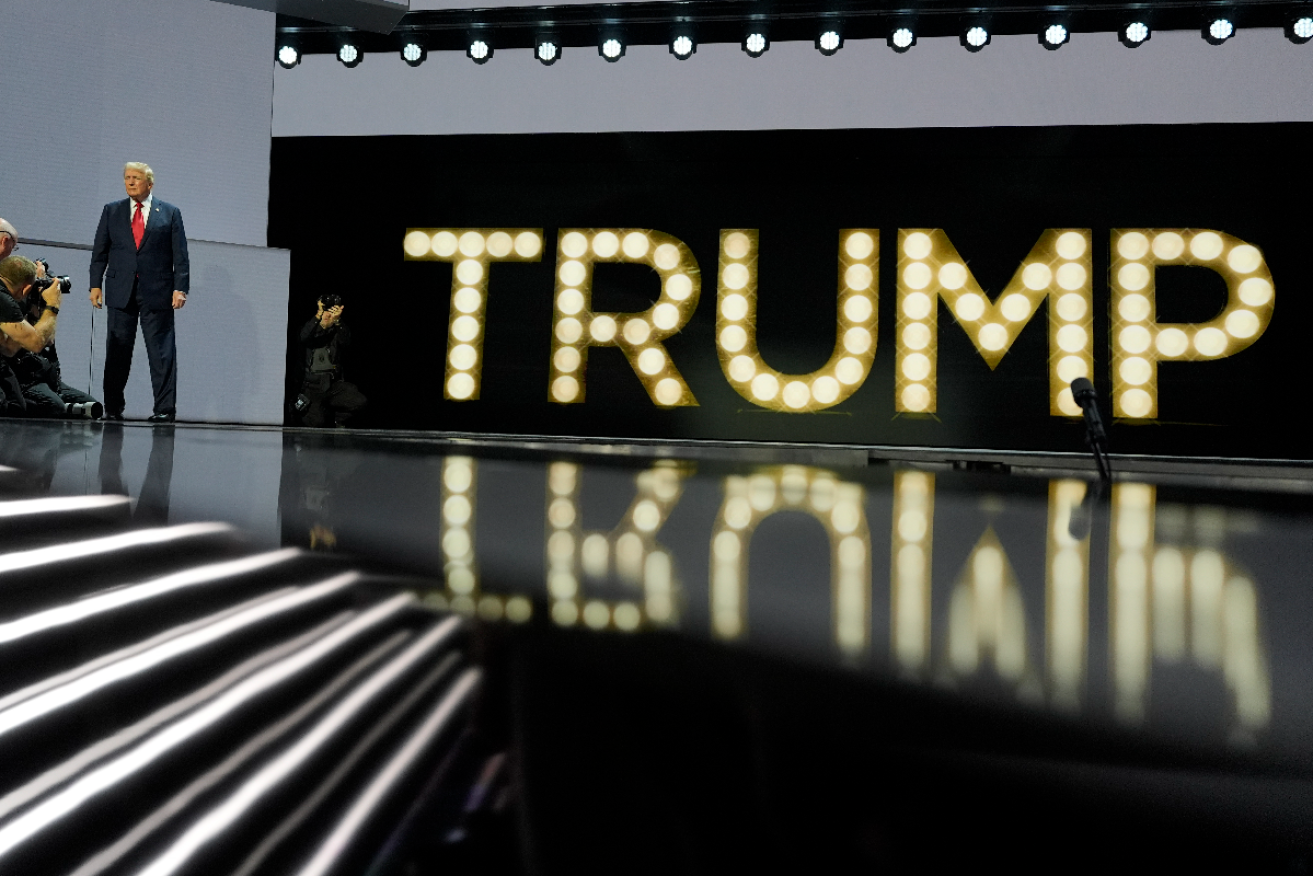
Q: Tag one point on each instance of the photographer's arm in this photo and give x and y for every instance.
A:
(32, 338)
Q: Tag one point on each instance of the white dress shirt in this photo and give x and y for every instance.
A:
(145, 210)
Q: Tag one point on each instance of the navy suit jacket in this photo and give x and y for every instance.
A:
(160, 266)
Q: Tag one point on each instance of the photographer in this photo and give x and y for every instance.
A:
(39, 375)
(325, 397)
(17, 275)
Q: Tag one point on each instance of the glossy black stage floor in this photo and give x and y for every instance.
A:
(325, 652)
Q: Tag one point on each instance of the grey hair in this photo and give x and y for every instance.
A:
(7, 228)
(143, 167)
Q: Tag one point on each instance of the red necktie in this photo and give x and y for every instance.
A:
(138, 226)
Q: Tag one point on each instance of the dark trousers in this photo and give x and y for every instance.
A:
(43, 400)
(12, 403)
(121, 336)
(332, 406)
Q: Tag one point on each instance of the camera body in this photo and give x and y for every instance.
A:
(331, 300)
(41, 284)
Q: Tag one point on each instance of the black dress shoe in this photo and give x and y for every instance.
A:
(160, 418)
(116, 416)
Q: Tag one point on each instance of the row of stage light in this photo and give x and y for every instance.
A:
(611, 44)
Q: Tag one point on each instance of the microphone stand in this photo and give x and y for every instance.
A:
(1096, 438)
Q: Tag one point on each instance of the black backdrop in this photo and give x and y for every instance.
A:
(342, 206)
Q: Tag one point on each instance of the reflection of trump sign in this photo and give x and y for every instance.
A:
(1057, 270)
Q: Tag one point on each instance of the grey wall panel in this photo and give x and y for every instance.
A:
(184, 85)
(1175, 78)
(232, 335)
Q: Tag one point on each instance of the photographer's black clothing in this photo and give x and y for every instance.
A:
(43, 390)
(332, 400)
(12, 403)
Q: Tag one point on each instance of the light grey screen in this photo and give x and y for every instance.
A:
(1176, 77)
(184, 85)
(231, 335)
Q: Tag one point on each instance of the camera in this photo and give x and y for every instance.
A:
(41, 284)
(331, 300)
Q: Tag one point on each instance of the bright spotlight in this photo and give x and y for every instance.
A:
(1218, 31)
(1134, 34)
(288, 56)
(901, 39)
(349, 55)
(1300, 30)
(1053, 36)
(414, 54)
(683, 47)
(478, 51)
(975, 38)
(611, 49)
(547, 52)
(829, 42)
(756, 44)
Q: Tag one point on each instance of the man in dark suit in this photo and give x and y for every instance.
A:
(140, 254)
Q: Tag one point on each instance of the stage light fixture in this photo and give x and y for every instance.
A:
(612, 48)
(829, 42)
(1054, 36)
(414, 54)
(975, 38)
(349, 54)
(288, 56)
(1218, 31)
(901, 39)
(683, 46)
(547, 51)
(1300, 30)
(756, 43)
(479, 50)
(1134, 34)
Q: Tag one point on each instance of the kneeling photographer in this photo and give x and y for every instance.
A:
(18, 337)
(44, 392)
(326, 398)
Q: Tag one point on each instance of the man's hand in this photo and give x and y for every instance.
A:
(40, 269)
(179, 299)
(97, 299)
(53, 295)
(331, 316)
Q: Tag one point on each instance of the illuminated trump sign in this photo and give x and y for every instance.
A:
(1057, 272)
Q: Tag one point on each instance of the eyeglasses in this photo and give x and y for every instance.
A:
(14, 239)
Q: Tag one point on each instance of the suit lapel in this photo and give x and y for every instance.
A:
(125, 216)
(153, 224)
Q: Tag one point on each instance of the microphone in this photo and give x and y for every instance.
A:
(1095, 435)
